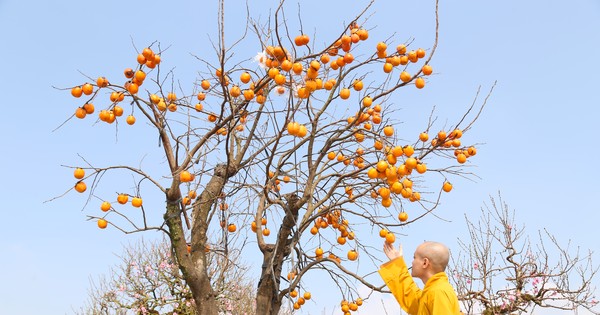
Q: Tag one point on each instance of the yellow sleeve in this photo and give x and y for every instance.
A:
(395, 275)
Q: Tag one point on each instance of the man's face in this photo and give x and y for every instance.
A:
(417, 265)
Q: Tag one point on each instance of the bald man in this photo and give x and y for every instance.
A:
(429, 264)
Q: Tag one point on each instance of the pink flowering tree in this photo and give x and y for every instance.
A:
(501, 272)
(147, 281)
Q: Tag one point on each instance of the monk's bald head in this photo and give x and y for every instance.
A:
(437, 253)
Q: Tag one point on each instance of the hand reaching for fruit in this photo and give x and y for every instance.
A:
(391, 252)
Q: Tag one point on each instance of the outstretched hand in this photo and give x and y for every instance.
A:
(391, 252)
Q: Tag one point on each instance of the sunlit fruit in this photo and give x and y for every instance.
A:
(390, 238)
(87, 89)
(130, 120)
(136, 202)
(80, 186)
(420, 83)
(344, 94)
(352, 254)
(77, 91)
(102, 223)
(122, 198)
(231, 228)
(447, 187)
(185, 176)
(405, 76)
(383, 232)
(319, 251)
(427, 70)
(388, 131)
(105, 206)
(79, 173)
(403, 216)
(205, 84)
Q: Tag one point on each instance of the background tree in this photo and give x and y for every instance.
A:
(301, 139)
(149, 282)
(500, 271)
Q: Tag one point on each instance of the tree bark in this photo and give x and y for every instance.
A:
(268, 299)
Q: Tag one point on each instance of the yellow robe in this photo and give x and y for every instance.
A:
(436, 298)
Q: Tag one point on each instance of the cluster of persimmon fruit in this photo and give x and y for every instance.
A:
(393, 172)
(301, 299)
(105, 206)
(134, 80)
(348, 306)
(305, 76)
(334, 220)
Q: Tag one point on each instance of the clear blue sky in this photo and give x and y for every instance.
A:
(539, 129)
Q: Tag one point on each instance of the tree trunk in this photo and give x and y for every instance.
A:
(192, 265)
(267, 294)
(268, 299)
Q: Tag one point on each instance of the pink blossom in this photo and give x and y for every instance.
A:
(163, 265)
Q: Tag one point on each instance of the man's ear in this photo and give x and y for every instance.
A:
(426, 263)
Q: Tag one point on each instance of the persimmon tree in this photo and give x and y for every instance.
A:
(148, 281)
(501, 271)
(292, 152)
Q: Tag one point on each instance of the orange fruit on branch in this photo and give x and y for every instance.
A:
(80, 186)
(447, 186)
(388, 67)
(87, 89)
(105, 206)
(388, 131)
(101, 82)
(390, 238)
(319, 251)
(245, 77)
(79, 173)
(129, 73)
(185, 176)
(386, 202)
(420, 83)
(102, 223)
(231, 228)
(344, 93)
(383, 232)
(427, 70)
(301, 40)
(405, 76)
(205, 84)
(122, 198)
(402, 216)
(130, 120)
(77, 91)
(89, 108)
(136, 202)
(352, 254)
